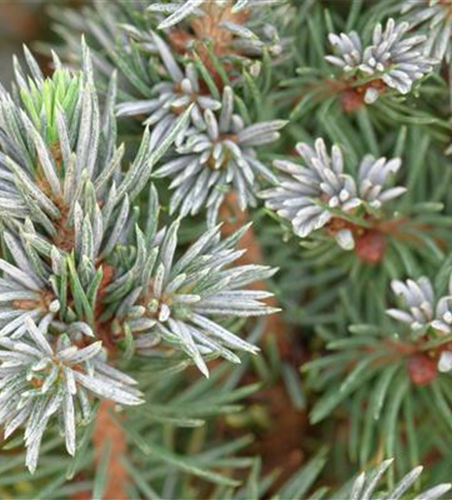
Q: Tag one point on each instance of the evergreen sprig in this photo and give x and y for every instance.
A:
(79, 275)
(132, 252)
(217, 158)
(320, 193)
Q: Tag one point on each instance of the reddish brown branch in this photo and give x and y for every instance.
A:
(106, 429)
(233, 219)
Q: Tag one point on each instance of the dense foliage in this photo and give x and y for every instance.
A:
(226, 258)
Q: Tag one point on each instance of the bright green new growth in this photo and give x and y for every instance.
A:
(62, 91)
(125, 271)
(80, 278)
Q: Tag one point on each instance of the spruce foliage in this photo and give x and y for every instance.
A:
(207, 203)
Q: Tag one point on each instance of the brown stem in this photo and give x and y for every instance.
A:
(106, 429)
(233, 219)
(20, 20)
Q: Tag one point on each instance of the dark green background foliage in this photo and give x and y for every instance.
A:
(339, 386)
